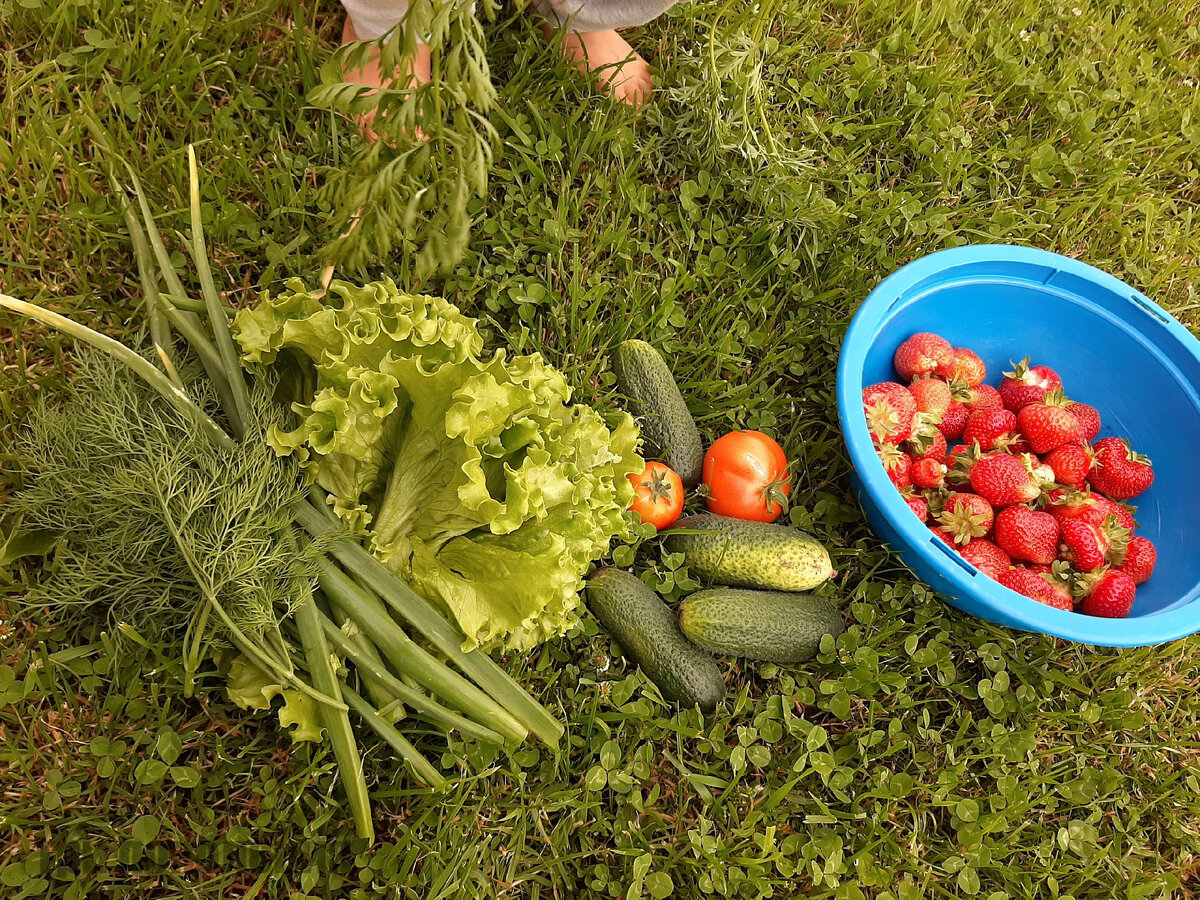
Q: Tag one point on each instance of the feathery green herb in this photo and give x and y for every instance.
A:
(409, 189)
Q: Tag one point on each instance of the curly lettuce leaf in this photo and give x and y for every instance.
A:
(475, 478)
(251, 688)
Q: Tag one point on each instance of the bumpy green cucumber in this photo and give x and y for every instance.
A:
(738, 553)
(666, 423)
(649, 634)
(775, 626)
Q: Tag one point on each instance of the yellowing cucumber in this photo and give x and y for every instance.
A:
(649, 634)
(738, 553)
(666, 423)
(775, 626)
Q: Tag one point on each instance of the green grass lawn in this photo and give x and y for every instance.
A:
(737, 224)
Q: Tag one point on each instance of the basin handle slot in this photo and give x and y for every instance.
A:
(1151, 307)
(966, 566)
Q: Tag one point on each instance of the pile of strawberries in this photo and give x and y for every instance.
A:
(1013, 477)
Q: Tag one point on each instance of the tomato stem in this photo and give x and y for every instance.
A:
(776, 494)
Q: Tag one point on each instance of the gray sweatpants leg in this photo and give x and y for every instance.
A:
(374, 18)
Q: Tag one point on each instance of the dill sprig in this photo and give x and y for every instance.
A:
(157, 519)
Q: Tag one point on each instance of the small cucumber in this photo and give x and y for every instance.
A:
(649, 634)
(666, 423)
(750, 554)
(775, 626)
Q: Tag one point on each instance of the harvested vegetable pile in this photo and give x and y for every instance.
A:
(177, 507)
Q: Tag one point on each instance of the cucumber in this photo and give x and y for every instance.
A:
(649, 634)
(643, 376)
(738, 553)
(774, 626)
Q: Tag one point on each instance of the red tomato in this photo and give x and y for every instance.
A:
(660, 496)
(746, 474)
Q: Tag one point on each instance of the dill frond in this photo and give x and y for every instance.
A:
(156, 518)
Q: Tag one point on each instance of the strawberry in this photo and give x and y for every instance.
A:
(1120, 472)
(928, 473)
(889, 408)
(930, 394)
(1083, 505)
(961, 460)
(1037, 587)
(965, 517)
(1118, 511)
(966, 366)
(990, 428)
(1084, 545)
(1140, 557)
(1025, 384)
(1089, 419)
(922, 354)
(986, 557)
(983, 396)
(897, 464)
(940, 535)
(954, 420)
(1026, 534)
(1070, 462)
(1004, 480)
(1108, 593)
(926, 440)
(916, 502)
(1039, 568)
(1047, 424)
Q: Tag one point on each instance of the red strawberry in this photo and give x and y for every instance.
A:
(1084, 545)
(897, 464)
(961, 460)
(1119, 471)
(990, 428)
(928, 473)
(940, 535)
(1039, 568)
(1047, 424)
(1109, 594)
(1036, 587)
(1106, 507)
(916, 503)
(1089, 419)
(983, 396)
(1026, 534)
(965, 517)
(1082, 505)
(1140, 557)
(1004, 480)
(926, 441)
(986, 557)
(954, 420)
(1070, 462)
(1025, 384)
(922, 354)
(889, 408)
(930, 394)
(966, 367)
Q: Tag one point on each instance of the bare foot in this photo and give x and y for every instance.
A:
(610, 60)
(415, 71)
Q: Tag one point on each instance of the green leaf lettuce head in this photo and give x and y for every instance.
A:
(474, 477)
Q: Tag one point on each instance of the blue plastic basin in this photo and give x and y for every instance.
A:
(1114, 348)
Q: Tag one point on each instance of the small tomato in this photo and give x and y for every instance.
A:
(746, 477)
(660, 495)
